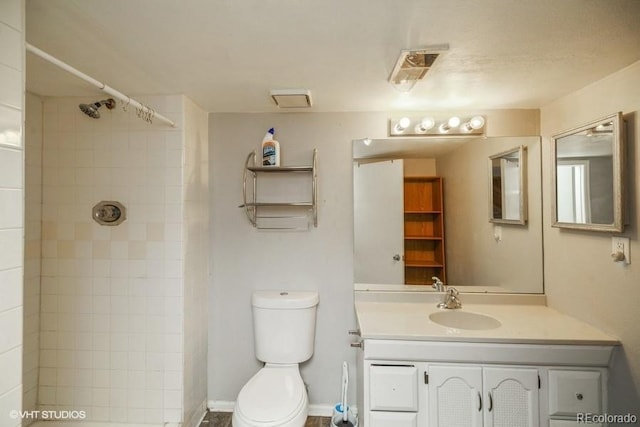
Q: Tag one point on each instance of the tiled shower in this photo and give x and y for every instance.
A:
(11, 207)
(115, 316)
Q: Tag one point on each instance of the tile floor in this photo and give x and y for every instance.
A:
(223, 419)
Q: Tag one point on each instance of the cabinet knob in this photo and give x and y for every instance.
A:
(396, 257)
(359, 344)
(579, 396)
(354, 332)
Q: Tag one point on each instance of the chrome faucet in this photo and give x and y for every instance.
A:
(451, 300)
(438, 285)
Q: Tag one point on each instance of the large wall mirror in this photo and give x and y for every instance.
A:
(588, 170)
(508, 187)
(458, 241)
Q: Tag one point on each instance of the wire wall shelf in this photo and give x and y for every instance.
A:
(279, 214)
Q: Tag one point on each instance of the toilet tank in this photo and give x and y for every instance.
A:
(284, 325)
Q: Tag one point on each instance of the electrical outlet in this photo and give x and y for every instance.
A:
(497, 233)
(620, 245)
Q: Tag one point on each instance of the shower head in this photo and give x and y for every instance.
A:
(91, 110)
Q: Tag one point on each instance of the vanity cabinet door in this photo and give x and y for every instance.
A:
(474, 396)
(455, 396)
(511, 397)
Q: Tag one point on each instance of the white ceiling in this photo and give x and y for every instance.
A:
(226, 55)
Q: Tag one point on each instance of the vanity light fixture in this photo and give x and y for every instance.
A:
(425, 126)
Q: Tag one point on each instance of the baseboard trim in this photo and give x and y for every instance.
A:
(220, 405)
(315, 410)
(320, 410)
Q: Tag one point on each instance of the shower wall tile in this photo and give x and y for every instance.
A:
(112, 304)
(10, 131)
(12, 338)
(11, 375)
(11, 13)
(11, 172)
(11, 244)
(11, 208)
(10, 288)
(11, 47)
(11, 96)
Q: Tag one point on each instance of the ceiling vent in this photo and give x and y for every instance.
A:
(412, 65)
(291, 98)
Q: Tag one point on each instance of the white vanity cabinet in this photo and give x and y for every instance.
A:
(456, 384)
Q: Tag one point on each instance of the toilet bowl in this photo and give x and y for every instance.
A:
(284, 331)
(274, 397)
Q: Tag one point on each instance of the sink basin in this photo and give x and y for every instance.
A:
(464, 320)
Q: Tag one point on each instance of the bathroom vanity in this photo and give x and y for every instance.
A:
(500, 360)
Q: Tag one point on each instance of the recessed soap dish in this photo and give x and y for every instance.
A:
(109, 213)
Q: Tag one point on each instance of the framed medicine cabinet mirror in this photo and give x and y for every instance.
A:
(508, 187)
(588, 176)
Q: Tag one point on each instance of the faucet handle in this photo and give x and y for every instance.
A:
(451, 300)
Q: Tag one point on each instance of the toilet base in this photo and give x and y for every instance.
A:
(298, 420)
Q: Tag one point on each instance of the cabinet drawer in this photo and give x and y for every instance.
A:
(395, 419)
(393, 388)
(572, 392)
(572, 423)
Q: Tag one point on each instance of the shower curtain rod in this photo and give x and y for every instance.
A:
(111, 91)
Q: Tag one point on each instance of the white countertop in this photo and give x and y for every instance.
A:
(521, 323)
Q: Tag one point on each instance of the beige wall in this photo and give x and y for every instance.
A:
(420, 167)
(515, 262)
(580, 277)
(246, 259)
(11, 208)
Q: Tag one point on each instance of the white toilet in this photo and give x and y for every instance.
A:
(284, 324)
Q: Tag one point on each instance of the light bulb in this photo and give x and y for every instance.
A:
(402, 124)
(476, 122)
(425, 124)
(454, 122)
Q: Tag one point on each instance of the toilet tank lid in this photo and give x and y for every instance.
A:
(284, 299)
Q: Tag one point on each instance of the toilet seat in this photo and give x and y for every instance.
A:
(275, 396)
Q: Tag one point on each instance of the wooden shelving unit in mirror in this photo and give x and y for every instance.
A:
(423, 230)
